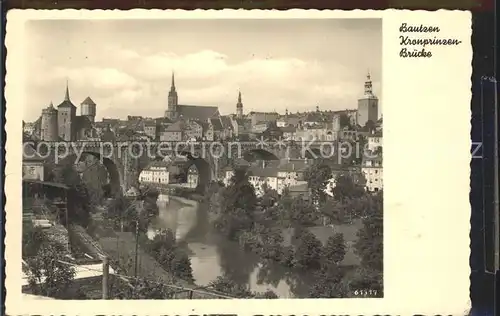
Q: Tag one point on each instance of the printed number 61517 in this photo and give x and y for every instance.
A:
(365, 292)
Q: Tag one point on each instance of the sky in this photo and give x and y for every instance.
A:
(125, 66)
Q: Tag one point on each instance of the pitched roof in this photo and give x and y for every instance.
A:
(66, 104)
(216, 123)
(245, 123)
(175, 127)
(303, 187)
(159, 164)
(288, 129)
(294, 165)
(226, 122)
(197, 112)
(262, 172)
(313, 117)
(269, 113)
(88, 101)
(163, 120)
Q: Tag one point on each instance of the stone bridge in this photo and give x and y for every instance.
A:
(125, 160)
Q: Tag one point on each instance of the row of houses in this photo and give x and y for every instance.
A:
(170, 172)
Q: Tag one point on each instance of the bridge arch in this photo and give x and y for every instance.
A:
(204, 171)
(114, 172)
(202, 166)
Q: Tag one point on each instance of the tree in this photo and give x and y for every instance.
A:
(180, 266)
(317, 177)
(65, 173)
(298, 212)
(144, 289)
(266, 295)
(79, 208)
(347, 188)
(33, 239)
(225, 285)
(369, 279)
(237, 206)
(307, 250)
(47, 275)
(334, 250)
(164, 249)
(334, 211)
(369, 245)
(370, 125)
(269, 196)
(345, 121)
(329, 284)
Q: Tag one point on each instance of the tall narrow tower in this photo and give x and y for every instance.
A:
(367, 105)
(239, 107)
(66, 118)
(171, 112)
(49, 129)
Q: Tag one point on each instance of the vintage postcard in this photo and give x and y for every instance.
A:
(299, 162)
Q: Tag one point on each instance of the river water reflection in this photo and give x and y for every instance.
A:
(213, 256)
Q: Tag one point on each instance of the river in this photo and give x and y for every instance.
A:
(212, 256)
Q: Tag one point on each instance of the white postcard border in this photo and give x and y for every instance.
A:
(426, 106)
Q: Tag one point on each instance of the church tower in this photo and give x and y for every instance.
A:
(66, 118)
(171, 112)
(367, 105)
(239, 107)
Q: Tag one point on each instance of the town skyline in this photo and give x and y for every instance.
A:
(122, 79)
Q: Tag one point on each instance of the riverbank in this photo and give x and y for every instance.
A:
(186, 201)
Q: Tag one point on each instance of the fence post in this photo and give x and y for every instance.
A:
(105, 277)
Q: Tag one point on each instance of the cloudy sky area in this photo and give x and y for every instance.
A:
(126, 66)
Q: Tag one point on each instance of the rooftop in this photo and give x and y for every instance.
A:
(216, 123)
(197, 112)
(88, 101)
(262, 172)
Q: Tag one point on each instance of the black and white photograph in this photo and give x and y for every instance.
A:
(203, 159)
(300, 162)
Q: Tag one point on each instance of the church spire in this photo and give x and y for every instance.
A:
(66, 97)
(239, 106)
(172, 87)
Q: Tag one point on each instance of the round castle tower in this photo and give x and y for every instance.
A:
(49, 127)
